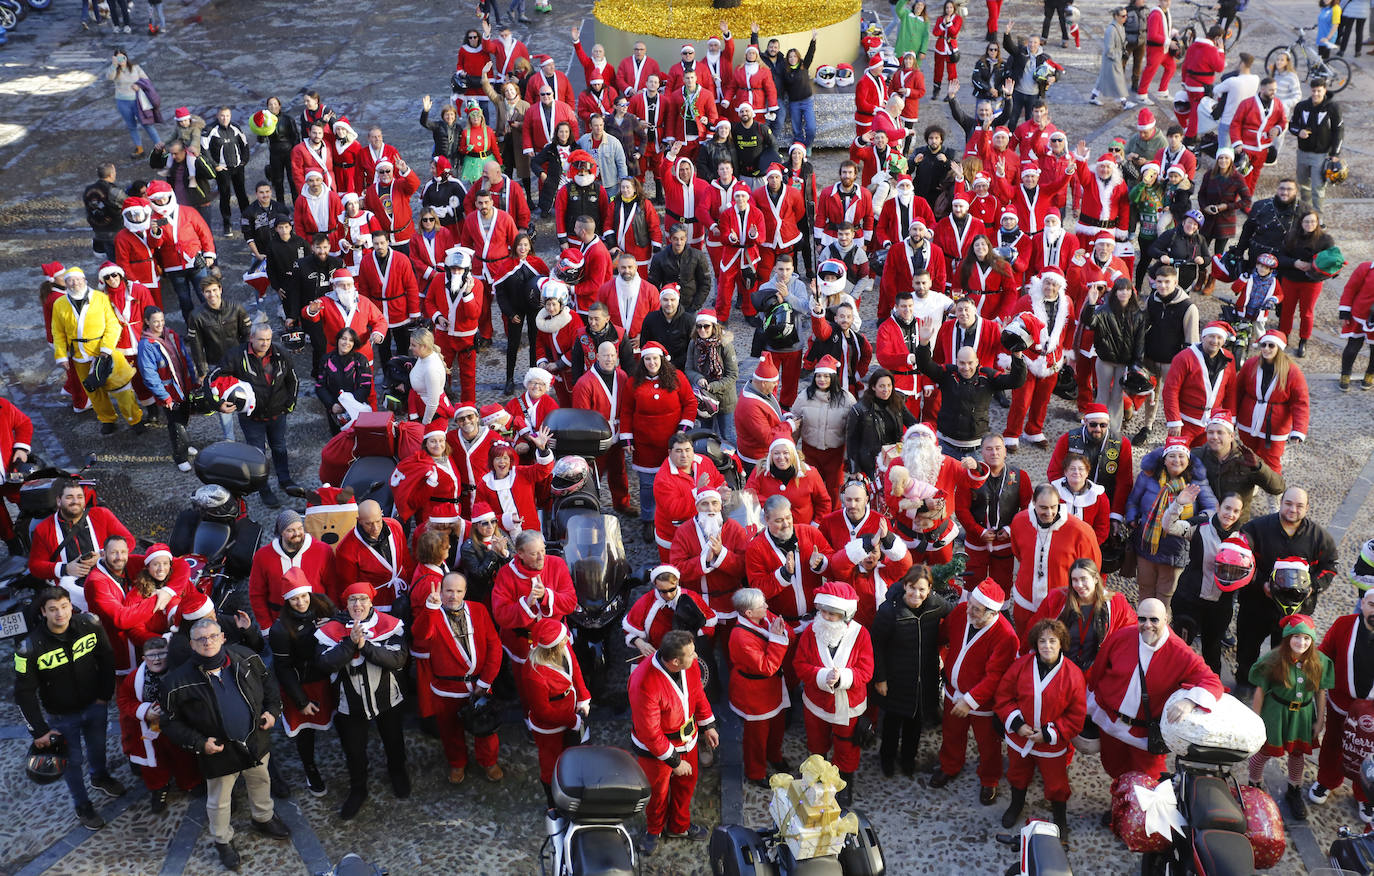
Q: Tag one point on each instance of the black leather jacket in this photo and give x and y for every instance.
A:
(1118, 335)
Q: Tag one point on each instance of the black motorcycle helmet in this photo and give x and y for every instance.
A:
(1136, 380)
(482, 716)
(46, 765)
(1290, 584)
(398, 370)
(100, 372)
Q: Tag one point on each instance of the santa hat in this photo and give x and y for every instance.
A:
(1053, 274)
(707, 316)
(359, 588)
(494, 415)
(182, 113)
(344, 123)
(545, 59)
(981, 178)
(481, 512)
(903, 181)
(783, 437)
(438, 427)
(766, 369)
(1105, 236)
(1029, 167)
(669, 288)
(194, 606)
(988, 594)
(1220, 328)
(687, 47)
(875, 60)
(713, 41)
(1096, 413)
(442, 165)
(774, 169)
(1149, 165)
(385, 164)
(313, 174)
(596, 80)
(723, 124)
(155, 551)
(73, 271)
(1002, 130)
(351, 198)
(1298, 625)
(465, 409)
(960, 195)
(797, 146)
(1223, 418)
(828, 365)
(664, 569)
(1176, 169)
(1276, 336)
(1106, 158)
(499, 449)
(919, 429)
(108, 269)
(703, 495)
(340, 276)
(158, 187)
(653, 347)
(1010, 211)
(1145, 120)
(837, 596)
(548, 632)
(1027, 327)
(52, 271)
(1291, 564)
(295, 583)
(537, 373)
(1177, 444)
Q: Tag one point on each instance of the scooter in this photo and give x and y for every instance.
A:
(38, 488)
(216, 535)
(1041, 853)
(596, 790)
(1215, 842)
(1353, 851)
(736, 850)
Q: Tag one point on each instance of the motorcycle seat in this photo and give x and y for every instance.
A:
(603, 851)
(1046, 857)
(1211, 806)
(1223, 853)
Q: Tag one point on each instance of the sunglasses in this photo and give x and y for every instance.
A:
(1151, 620)
(428, 219)
(1269, 344)
(546, 94)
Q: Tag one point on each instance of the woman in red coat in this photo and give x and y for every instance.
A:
(1042, 701)
(426, 485)
(555, 697)
(635, 227)
(1084, 499)
(431, 553)
(759, 643)
(988, 279)
(1271, 400)
(787, 475)
(660, 403)
(512, 490)
(1087, 609)
(944, 32)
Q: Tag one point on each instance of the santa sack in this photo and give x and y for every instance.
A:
(335, 457)
(410, 438)
(1230, 725)
(1357, 738)
(1264, 826)
(1129, 816)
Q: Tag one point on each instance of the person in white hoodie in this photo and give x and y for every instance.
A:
(1233, 90)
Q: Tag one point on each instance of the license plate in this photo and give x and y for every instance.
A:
(13, 624)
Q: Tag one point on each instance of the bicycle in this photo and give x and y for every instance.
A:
(1199, 24)
(1308, 64)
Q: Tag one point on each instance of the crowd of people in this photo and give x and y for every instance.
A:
(905, 573)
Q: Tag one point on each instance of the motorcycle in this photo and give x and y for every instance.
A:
(215, 535)
(1214, 842)
(1249, 326)
(38, 486)
(735, 850)
(596, 790)
(1041, 852)
(1353, 851)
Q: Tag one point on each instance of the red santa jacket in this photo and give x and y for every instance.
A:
(268, 575)
(556, 343)
(757, 90)
(1169, 667)
(1120, 615)
(475, 61)
(1056, 253)
(791, 596)
(1271, 413)
(871, 584)
(831, 210)
(686, 202)
(1053, 702)
(632, 74)
(129, 300)
(1252, 123)
(1102, 204)
(900, 268)
(807, 492)
(562, 90)
(590, 393)
(782, 216)
(974, 661)
(368, 160)
(589, 103)
(757, 688)
(674, 76)
(504, 56)
(635, 229)
(944, 34)
(143, 744)
(1357, 301)
(552, 695)
(1056, 338)
(100, 524)
(596, 259)
(184, 237)
(870, 93)
(1045, 553)
(734, 239)
(352, 236)
(364, 318)
(1201, 64)
(16, 433)
(515, 611)
(322, 219)
(356, 560)
(348, 175)
(514, 498)
(896, 218)
(391, 287)
(538, 131)
(987, 209)
(992, 287)
(756, 423)
(1093, 506)
(1339, 646)
(391, 206)
(839, 529)
(853, 659)
(458, 672)
(667, 710)
(528, 414)
(644, 302)
(1056, 172)
(651, 617)
(953, 242)
(492, 247)
(470, 457)
(1032, 205)
(305, 157)
(986, 342)
(425, 488)
(688, 118)
(136, 253)
(1184, 158)
(427, 251)
(509, 196)
(870, 159)
(715, 579)
(651, 416)
(911, 83)
(460, 311)
(675, 496)
(129, 618)
(1190, 395)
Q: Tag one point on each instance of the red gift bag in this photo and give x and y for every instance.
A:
(1128, 819)
(335, 457)
(1357, 737)
(1264, 826)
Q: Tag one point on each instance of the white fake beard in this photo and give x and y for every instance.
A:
(828, 632)
(710, 522)
(347, 297)
(905, 196)
(921, 456)
(583, 179)
(80, 295)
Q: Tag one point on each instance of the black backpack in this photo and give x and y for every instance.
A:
(100, 213)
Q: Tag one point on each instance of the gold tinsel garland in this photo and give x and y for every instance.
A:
(699, 20)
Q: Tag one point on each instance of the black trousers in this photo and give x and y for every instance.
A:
(512, 299)
(1257, 622)
(901, 739)
(352, 731)
(1053, 7)
(279, 175)
(1021, 104)
(1196, 617)
(177, 418)
(224, 179)
(1343, 33)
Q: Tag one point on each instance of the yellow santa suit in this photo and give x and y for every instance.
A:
(81, 333)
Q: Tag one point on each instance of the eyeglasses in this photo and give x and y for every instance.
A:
(428, 219)
(1151, 620)
(356, 600)
(205, 640)
(1097, 425)
(546, 94)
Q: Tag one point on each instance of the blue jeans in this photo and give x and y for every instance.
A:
(226, 425)
(261, 433)
(803, 120)
(646, 495)
(187, 286)
(128, 111)
(779, 121)
(86, 726)
(724, 425)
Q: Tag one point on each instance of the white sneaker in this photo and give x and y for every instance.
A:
(1094, 99)
(191, 452)
(127, 29)
(1127, 104)
(1318, 794)
(1163, 96)
(184, 466)
(1142, 99)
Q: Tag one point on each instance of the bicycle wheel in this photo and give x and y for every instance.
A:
(7, 19)
(1337, 73)
(1233, 32)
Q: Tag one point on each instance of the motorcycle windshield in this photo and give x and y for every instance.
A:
(587, 549)
(744, 509)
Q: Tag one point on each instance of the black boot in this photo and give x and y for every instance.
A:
(1060, 810)
(1018, 803)
(1302, 348)
(846, 796)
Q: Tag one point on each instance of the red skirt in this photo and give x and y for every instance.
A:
(293, 720)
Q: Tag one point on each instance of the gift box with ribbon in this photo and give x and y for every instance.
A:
(806, 813)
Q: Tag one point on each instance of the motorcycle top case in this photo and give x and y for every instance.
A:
(736, 850)
(597, 782)
(374, 434)
(238, 468)
(578, 432)
(862, 855)
(38, 497)
(1354, 854)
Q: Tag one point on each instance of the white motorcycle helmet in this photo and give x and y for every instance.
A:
(825, 76)
(831, 277)
(844, 75)
(458, 263)
(556, 289)
(1073, 14)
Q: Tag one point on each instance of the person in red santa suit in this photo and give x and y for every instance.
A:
(1258, 123)
(735, 240)
(429, 484)
(529, 410)
(1042, 703)
(597, 99)
(185, 238)
(709, 552)
(312, 153)
(16, 438)
(512, 489)
(604, 388)
(634, 229)
(897, 216)
(898, 337)
(967, 328)
(986, 511)
(140, 726)
(852, 517)
(1204, 60)
(669, 709)
(786, 561)
(686, 195)
(983, 204)
(319, 210)
(666, 607)
(1117, 702)
(906, 262)
(388, 198)
(431, 552)
(690, 112)
(1046, 539)
(346, 158)
(1349, 644)
(342, 308)
(464, 657)
(375, 551)
(834, 662)
(658, 404)
(981, 646)
(870, 93)
(920, 486)
(1201, 379)
(647, 106)
(783, 211)
(67, 545)
(785, 474)
(759, 644)
(128, 300)
(290, 548)
(633, 72)
(845, 201)
(547, 75)
(530, 587)
(490, 233)
(374, 152)
(352, 235)
(871, 564)
(453, 302)
(681, 476)
(1083, 499)
(554, 695)
(135, 248)
(1054, 247)
(955, 233)
(988, 281)
(1032, 202)
(1104, 205)
(758, 413)
(628, 296)
(1273, 408)
(386, 277)
(1048, 316)
(129, 616)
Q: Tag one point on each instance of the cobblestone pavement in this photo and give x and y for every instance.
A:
(59, 122)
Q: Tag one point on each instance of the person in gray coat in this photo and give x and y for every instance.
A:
(606, 149)
(1111, 80)
(713, 371)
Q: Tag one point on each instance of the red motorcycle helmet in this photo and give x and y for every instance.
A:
(1235, 564)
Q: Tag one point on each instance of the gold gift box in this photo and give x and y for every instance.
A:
(699, 20)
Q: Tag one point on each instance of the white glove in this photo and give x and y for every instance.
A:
(432, 478)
